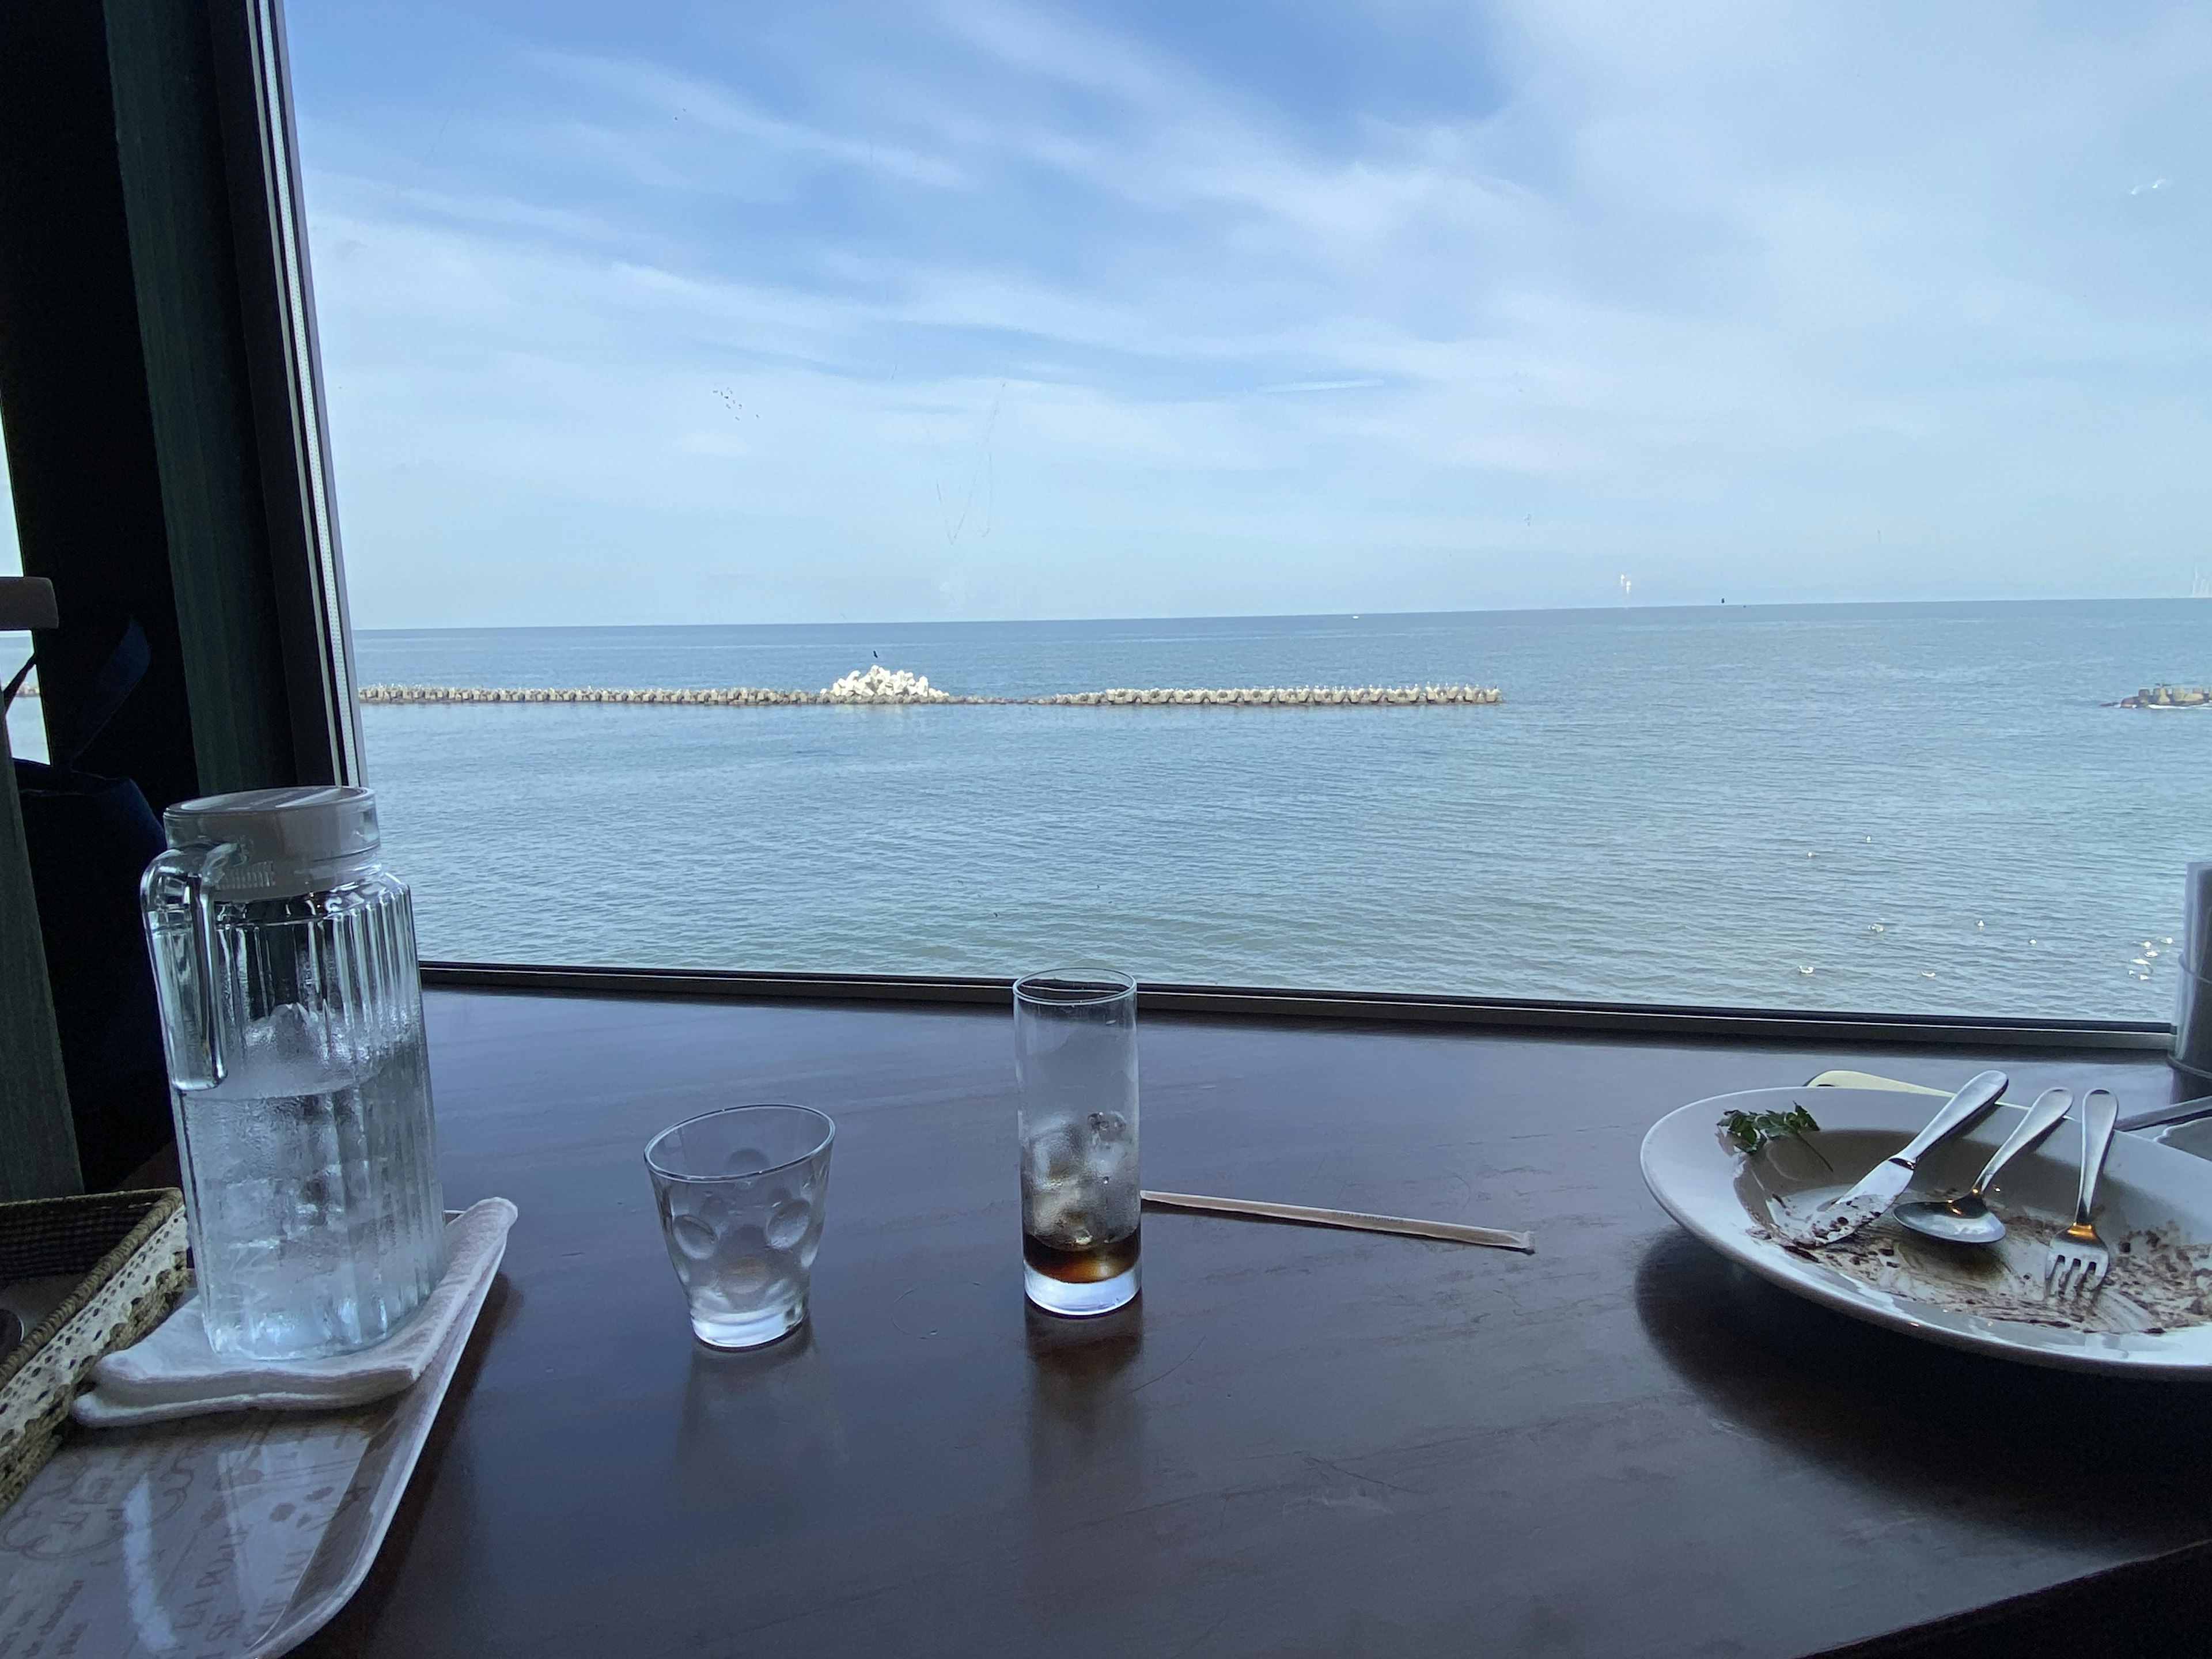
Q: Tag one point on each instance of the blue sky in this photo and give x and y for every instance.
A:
(812, 310)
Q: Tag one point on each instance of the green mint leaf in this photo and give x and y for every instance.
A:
(1751, 1131)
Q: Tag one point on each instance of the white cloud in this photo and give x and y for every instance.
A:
(1694, 286)
(689, 108)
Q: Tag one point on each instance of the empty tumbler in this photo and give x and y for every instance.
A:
(740, 1194)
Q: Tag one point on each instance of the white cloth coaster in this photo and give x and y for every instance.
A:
(173, 1373)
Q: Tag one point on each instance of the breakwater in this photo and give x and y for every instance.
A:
(2169, 696)
(1276, 697)
(898, 688)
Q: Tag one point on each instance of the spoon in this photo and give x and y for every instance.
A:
(1966, 1219)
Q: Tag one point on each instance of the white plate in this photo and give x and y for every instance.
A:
(2195, 1139)
(1718, 1193)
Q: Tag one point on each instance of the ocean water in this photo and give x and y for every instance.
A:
(1907, 808)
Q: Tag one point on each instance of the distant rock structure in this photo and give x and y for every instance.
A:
(2169, 696)
(738, 696)
(877, 685)
(1281, 697)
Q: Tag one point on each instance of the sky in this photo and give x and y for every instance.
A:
(987, 308)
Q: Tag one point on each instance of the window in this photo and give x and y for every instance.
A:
(1798, 418)
(26, 734)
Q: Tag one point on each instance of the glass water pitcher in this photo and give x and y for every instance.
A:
(284, 955)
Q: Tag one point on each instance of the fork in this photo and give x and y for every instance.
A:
(2080, 1262)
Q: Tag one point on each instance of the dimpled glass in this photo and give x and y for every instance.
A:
(740, 1192)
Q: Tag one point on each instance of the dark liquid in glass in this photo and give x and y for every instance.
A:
(1091, 1265)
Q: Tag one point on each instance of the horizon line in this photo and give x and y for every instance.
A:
(1265, 616)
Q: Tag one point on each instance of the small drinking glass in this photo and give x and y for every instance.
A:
(740, 1192)
(1075, 1059)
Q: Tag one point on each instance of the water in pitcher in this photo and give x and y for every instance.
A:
(316, 1217)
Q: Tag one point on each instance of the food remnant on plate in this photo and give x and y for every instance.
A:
(1750, 1131)
(2159, 1282)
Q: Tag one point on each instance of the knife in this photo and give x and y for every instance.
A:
(2157, 1117)
(1881, 1187)
(2149, 1117)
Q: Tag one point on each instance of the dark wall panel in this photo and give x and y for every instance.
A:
(73, 398)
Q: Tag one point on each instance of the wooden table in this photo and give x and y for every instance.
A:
(1298, 1442)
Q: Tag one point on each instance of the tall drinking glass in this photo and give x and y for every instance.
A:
(1075, 1059)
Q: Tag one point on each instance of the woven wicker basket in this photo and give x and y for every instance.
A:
(130, 1249)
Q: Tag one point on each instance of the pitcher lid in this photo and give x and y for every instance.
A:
(286, 839)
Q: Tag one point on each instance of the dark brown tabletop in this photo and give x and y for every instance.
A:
(1298, 1441)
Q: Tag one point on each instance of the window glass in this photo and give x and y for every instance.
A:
(1796, 414)
(27, 735)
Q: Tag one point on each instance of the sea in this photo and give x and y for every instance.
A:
(1897, 808)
